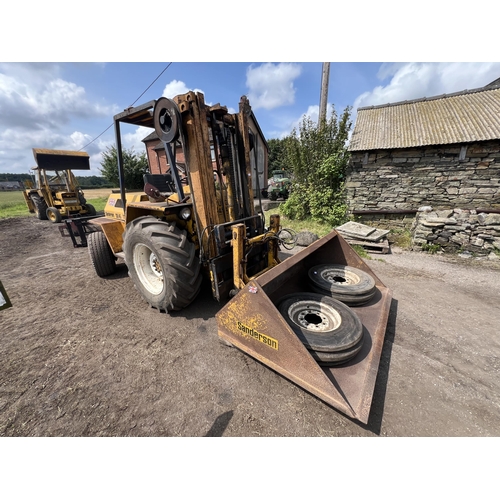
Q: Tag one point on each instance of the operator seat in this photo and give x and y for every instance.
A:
(163, 182)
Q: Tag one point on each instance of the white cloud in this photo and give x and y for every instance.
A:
(416, 80)
(176, 87)
(33, 96)
(287, 125)
(134, 139)
(271, 85)
(17, 148)
(36, 105)
(78, 140)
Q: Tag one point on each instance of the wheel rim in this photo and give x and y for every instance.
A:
(314, 316)
(148, 269)
(52, 216)
(342, 277)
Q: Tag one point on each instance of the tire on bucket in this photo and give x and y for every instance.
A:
(321, 323)
(344, 283)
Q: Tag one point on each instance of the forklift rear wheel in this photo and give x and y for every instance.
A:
(101, 255)
(343, 280)
(321, 323)
(162, 263)
(54, 215)
(40, 207)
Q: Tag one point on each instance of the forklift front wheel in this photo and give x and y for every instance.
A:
(54, 215)
(162, 263)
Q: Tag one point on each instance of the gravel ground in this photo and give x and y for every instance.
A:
(85, 356)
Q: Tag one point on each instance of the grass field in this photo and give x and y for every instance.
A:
(12, 203)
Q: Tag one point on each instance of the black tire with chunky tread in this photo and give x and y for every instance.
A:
(40, 207)
(54, 215)
(90, 209)
(101, 255)
(173, 258)
(321, 322)
(81, 198)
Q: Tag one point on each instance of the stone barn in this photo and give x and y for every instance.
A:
(437, 155)
(441, 151)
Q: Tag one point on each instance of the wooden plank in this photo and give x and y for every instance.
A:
(381, 247)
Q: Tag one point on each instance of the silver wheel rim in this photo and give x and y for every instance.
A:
(314, 316)
(148, 269)
(340, 277)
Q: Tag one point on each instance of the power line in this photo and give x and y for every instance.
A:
(95, 139)
(152, 83)
(168, 65)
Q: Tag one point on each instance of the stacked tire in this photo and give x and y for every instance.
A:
(347, 284)
(323, 319)
(329, 329)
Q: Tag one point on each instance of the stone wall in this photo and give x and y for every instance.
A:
(453, 176)
(387, 221)
(457, 230)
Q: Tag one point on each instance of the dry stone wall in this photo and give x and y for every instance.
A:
(457, 230)
(458, 176)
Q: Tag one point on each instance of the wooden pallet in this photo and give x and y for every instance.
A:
(379, 247)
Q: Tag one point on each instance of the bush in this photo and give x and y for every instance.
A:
(317, 157)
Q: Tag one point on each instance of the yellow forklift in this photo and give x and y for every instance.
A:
(318, 318)
(54, 194)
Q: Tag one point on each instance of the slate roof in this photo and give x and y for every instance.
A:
(153, 136)
(462, 117)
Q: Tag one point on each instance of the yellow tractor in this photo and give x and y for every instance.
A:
(318, 318)
(55, 193)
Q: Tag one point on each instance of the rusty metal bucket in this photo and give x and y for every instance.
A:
(252, 322)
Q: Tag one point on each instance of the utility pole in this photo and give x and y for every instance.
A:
(324, 92)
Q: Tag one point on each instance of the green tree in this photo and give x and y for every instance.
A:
(317, 156)
(277, 159)
(93, 181)
(134, 166)
(14, 177)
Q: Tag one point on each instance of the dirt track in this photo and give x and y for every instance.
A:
(84, 356)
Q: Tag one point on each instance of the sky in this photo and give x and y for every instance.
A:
(64, 73)
(65, 105)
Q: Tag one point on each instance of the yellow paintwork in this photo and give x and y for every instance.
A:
(241, 245)
(174, 198)
(59, 191)
(114, 208)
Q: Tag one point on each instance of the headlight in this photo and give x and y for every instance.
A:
(185, 213)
